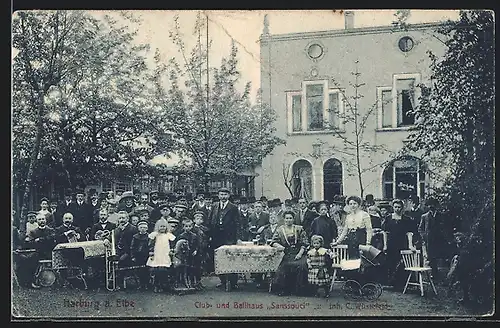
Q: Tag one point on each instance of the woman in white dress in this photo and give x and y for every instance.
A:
(357, 228)
(160, 252)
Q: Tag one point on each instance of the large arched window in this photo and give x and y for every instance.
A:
(403, 177)
(332, 179)
(302, 179)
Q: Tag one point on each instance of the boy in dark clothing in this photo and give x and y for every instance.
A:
(139, 251)
(202, 231)
(194, 258)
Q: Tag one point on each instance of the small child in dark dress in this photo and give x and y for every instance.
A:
(139, 251)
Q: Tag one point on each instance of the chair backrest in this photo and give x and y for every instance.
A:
(411, 258)
(339, 254)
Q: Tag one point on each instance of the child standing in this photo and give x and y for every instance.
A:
(318, 259)
(202, 231)
(139, 251)
(193, 257)
(31, 224)
(159, 254)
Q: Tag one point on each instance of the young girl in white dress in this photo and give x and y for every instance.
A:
(160, 252)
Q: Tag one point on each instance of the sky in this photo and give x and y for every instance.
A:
(245, 27)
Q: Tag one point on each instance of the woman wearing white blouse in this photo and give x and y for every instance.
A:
(357, 228)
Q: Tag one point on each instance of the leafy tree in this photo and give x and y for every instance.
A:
(455, 130)
(212, 123)
(79, 100)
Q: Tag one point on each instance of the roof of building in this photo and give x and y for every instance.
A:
(345, 32)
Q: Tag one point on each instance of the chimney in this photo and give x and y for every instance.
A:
(349, 19)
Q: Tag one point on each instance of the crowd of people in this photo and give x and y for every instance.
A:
(171, 239)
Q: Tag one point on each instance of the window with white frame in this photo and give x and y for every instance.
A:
(397, 103)
(315, 108)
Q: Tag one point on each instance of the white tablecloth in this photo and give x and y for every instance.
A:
(247, 259)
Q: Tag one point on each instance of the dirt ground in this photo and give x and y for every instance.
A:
(247, 301)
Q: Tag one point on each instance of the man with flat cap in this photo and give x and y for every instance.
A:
(224, 227)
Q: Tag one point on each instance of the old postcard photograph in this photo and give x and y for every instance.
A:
(252, 164)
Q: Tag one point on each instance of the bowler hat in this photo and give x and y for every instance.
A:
(339, 200)
(68, 192)
(243, 200)
(251, 200)
(275, 202)
(80, 192)
(224, 189)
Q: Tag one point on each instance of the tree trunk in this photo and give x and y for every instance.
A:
(31, 165)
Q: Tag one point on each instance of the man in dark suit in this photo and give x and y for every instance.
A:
(68, 205)
(82, 214)
(244, 219)
(68, 231)
(305, 216)
(259, 218)
(94, 204)
(224, 228)
(102, 225)
(415, 212)
(430, 229)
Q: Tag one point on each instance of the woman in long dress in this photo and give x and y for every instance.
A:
(160, 261)
(291, 276)
(357, 228)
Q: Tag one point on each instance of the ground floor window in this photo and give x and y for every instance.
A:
(332, 179)
(302, 179)
(403, 177)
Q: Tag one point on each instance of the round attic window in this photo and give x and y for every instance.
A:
(315, 51)
(405, 44)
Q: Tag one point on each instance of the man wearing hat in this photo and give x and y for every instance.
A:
(31, 223)
(154, 199)
(68, 205)
(180, 210)
(337, 211)
(224, 228)
(94, 204)
(414, 210)
(200, 204)
(432, 236)
(144, 215)
(127, 202)
(144, 202)
(258, 218)
(83, 214)
(113, 211)
(244, 219)
(263, 200)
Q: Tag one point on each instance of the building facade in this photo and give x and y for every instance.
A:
(338, 94)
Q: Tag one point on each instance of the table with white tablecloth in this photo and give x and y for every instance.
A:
(246, 259)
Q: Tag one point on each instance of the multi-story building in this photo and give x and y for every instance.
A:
(309, 79)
